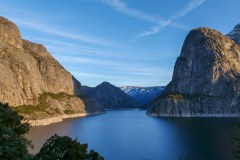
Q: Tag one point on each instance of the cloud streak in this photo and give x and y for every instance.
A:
(57, 45)
(60, 33)
(122, 7)
(184, 11)
(116, 65)
(160, 23)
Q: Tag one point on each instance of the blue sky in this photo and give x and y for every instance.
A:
(125, 42)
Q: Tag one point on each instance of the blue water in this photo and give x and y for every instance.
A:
(130, 135)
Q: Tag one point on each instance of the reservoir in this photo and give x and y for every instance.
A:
(131, 135)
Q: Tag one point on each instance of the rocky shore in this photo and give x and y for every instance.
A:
(195, 115)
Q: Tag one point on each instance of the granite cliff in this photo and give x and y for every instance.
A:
(110, 96)
(206, 78)
(34, 82)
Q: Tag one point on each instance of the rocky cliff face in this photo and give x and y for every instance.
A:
(206, 78)
(111, 97)
(29, 71)
(143, 95)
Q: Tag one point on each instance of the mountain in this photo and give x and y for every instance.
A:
(110, 96)
(235, 34)
(34, 82)
(206, 78)
(143, 95)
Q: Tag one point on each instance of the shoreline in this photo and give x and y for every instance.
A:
(112, 109)
(194, 116)
(60, 118)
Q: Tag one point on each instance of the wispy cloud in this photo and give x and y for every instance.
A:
(42, 23)
(160, 23)
(190, 6)
(116, 71)
(93, 75)
(62, 47)
(46, 28)
(122, 7)
(117, 66)
(83, 60)
(73, 48)
(184, 11)
(50, 30)
(120, 76)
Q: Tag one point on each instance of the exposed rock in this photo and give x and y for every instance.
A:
(9, 34)
(206, 78)
(235, 34)
(28, 71)
(111, 97)
(143, 95)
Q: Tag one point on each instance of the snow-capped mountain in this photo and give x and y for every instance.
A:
(143, 95)
(235, 34)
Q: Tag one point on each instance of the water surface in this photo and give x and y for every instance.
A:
(130, 135)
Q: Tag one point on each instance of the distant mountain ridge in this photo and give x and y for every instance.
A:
(110, 96)
(143, 95)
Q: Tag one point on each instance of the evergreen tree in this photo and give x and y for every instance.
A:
(13, 144)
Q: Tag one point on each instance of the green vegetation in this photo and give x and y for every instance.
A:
(65, 148)
(13, 144)
(176, 96)
(58, 96)
(67, 111)
(180, 96)
(43, 104)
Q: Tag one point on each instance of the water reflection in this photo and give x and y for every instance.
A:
(129, 134)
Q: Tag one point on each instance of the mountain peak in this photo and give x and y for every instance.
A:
(105, 83)
(202, 33)
(237, 27)
(9, 33)
(235, 34)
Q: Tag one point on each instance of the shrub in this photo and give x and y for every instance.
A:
(67, 111)
(43, 104)
(65, 148)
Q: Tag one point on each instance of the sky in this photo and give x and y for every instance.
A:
(124, 42)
